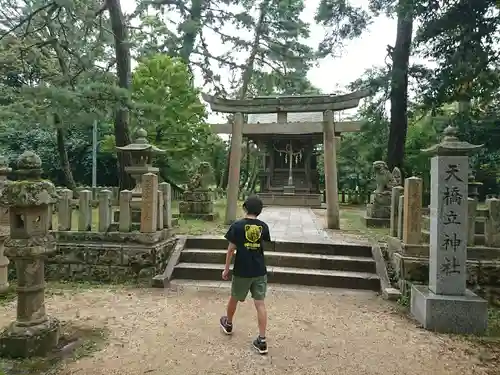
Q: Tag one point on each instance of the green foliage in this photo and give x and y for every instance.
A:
(169, 108)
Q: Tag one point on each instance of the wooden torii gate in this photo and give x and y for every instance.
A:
(326, 104)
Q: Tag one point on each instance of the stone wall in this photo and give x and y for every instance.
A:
(108, 261)
(410, 265)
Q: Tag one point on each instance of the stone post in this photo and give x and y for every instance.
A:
(492, 224)
(105, 210)
(166, 189)
(159, 211)
(33, 333)
(471, 221)
(84, 211)
(64, 210)
(397, 191)
(401, 215)
(412, 223)
(234, 168)
(330, 156)
(149, 203)
(125, 219)
(446, 305)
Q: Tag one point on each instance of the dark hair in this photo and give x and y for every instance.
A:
(253, 205)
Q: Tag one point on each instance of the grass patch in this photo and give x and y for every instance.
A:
(351, 221)
(8, 296)
(216, 227)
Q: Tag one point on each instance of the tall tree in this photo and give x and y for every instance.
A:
(400, 55)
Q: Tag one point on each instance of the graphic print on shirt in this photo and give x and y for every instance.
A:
(253, 234)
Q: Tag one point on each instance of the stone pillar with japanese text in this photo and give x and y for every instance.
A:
(446, 305)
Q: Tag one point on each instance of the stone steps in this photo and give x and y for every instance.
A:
(348, 249)
(286, 275)
(294, 260)
(342, 265)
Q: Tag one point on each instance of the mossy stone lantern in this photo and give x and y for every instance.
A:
(142, 153)
(28, 200)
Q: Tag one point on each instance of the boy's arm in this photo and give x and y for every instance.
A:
(231, 248)
(266, 235)
(229, 255)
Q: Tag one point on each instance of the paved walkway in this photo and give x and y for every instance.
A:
(294, 224)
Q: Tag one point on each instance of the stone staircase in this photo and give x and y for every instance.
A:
(349, 266)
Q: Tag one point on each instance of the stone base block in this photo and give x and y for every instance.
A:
(24, 342)
(206, 217)
(203, 208)
(467, 314)
(378, 211)
(375, 222)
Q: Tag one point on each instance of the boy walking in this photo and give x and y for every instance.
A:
(245, 238)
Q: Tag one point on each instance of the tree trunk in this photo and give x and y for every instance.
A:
(60, 133)
(123, 71)
(248, 72)
(63, 154)
(399, 85)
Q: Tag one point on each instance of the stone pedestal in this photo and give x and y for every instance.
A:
(446, 305)
(464, 314)
(378, 211)
(28, 199)
(197, 204)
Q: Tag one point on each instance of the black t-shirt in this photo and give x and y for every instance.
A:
(248, 235)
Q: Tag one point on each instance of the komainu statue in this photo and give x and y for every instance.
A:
(385, 180)
(197, 200)
(201, 177)
(378, 211)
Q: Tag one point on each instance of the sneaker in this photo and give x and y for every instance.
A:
(260, 345)
(226, 326)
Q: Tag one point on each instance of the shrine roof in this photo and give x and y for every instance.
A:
(289, 104)
(267, 118)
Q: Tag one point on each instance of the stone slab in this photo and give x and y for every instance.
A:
(388, 292)
(466, 314)
(291, 200)
(375, 222)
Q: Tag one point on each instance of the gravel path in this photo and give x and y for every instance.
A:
(311, 331)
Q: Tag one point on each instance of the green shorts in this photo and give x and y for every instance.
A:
(256, 285)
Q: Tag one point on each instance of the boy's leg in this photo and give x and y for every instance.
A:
(259, 289)
(239, 290)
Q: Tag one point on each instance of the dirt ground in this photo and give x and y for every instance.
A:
(311, 331)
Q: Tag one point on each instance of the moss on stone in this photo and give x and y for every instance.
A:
(27, 193)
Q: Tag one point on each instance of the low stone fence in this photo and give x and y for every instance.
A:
(408, 247)
(115, 192)
(112, 240)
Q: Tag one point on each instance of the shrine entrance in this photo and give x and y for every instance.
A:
(287, 129)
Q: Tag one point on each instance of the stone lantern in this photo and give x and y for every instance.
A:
(28, 200)
(473, 185)
(142, 153)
